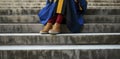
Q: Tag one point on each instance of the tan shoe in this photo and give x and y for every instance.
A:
(46, 28)
(53, 32)
(55, 29)
(42, 32)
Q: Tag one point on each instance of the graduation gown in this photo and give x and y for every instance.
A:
(72, 10)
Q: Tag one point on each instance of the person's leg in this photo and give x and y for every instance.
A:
(59, 18)
(49, 25)
(57, 25)
(53, 19)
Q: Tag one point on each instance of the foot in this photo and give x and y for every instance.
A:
(46, 28)
(55, 29)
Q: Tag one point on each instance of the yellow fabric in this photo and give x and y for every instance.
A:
(60, 5)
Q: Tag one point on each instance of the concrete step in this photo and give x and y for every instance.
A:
(20, 28)
(35, 19)
(21, 11)
(108, 1)
(39, 4)
(60, 39)
(102, 18)
(61, 54)
(42, 3)
(103, 12)
(90, 11)
(29, 4)
(103, 4)
(44, 0)
(19, 19)
(35, 28)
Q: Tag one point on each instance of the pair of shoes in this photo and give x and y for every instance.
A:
(55, 29)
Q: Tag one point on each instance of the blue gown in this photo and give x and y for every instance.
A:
(70, 10)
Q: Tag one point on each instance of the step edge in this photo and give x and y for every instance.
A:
(59, 47)
(64, 34)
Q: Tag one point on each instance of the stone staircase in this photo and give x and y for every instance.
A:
(20, 38)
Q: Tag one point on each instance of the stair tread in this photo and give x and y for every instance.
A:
(35, 28)
(62, 34)
(61, 54)
(59, 47)
(92, 10)
(59, 39)
(35, 19)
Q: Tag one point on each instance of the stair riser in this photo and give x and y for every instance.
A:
(103, 0)
(35, 28)
(19, 28)
(102, 18)
(61, 54)
(35, 19)
(101, 28)
(44, 0)
(19, 19)
(36, 11)
(59, 40)
(29, 4)
(19, 11)
(103, 12)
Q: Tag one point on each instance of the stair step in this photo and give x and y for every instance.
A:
(107, 1)
(16, 11)
(103, 0)
(27, 4)
(101, 27)
(20, 28)
(19, 19)
(103, 12)
(40, 5)
(102, 18)
(35, 19)
(103, 4)
(92, 11)
(44, 0)
(58, 47)
(62, 54)
(59, 39)
(35, 28)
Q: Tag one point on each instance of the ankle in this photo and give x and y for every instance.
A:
(56, 27)
(49, 24)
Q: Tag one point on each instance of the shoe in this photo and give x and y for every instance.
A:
(53, 32)
(46, 28)
(55, 29)
(41, 32)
